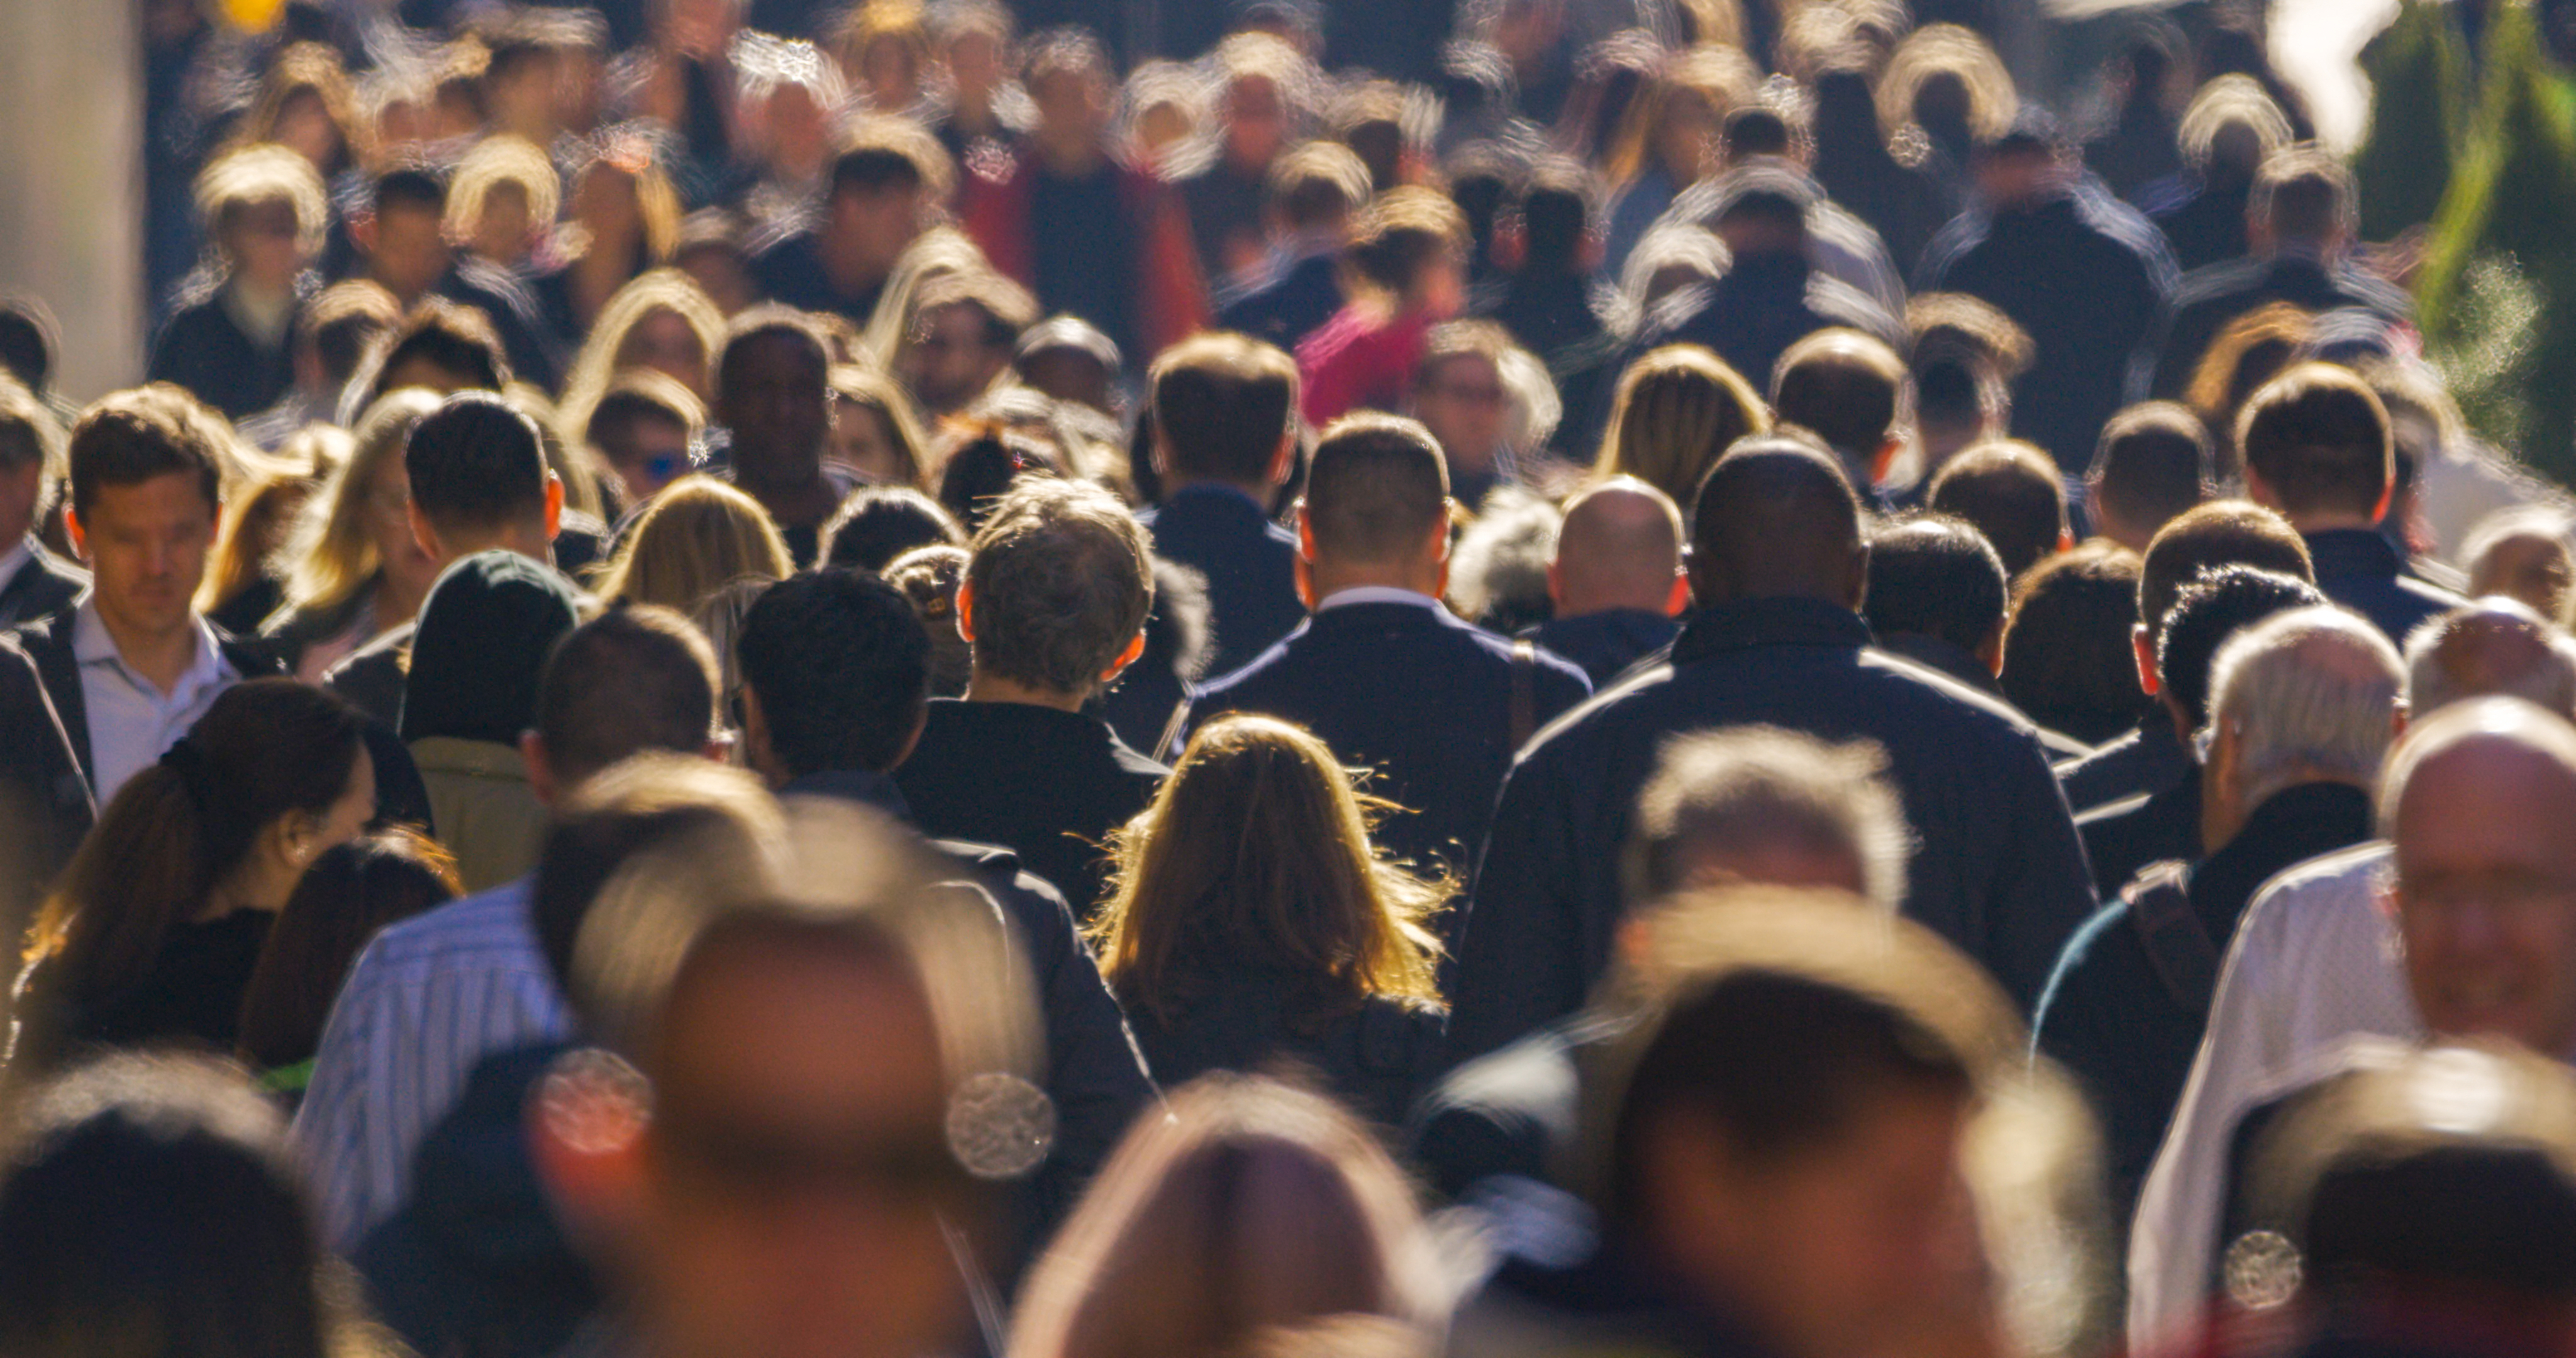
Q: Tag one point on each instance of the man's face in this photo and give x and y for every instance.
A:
(775, 401)
(1256, 121)
(876, 224)
(2532, 569)
(2485, 894)
(1839, 1250)
(1073, 109)
(22, 484)
(796, 1175)
(1463, 403)
(948, 361)
(261, 241)
(146, 547)
(410, 254)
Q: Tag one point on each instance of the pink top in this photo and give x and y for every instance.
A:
(1358, 361)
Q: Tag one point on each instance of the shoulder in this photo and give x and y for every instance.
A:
(2073, 984)
(1936, 696)
(2220, 282)
(488, 926)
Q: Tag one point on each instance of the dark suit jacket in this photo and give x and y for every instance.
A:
(2146, 760)
(1376, 1059)
(1606, 644)
(2362, 571)
(44, 586)
(1766, 304)
(1291, 307)
(1999, 870)
(1250, 564)
(1414, 693)
(44, 799)
(2211, 297)
(2123, 836)
(1046, 784)
(201, 349)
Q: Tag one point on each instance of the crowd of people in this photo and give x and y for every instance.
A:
(1308, 680)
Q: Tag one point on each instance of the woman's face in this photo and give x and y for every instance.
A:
(387, 512)
(506, 228)
(1686, 138)
(304, 126)
(863, 440)
(664, 342)
(606, 202)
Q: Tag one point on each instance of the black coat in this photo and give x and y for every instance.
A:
(2210, 298)
(1376, 1058)
(1999, 871)
(1047, 784)
(1414, 693)
(44, 797)
(2362, 570)
(1765, 304)
(2147, 760)
(2110, 1019)
(2088, 278)
(44, 586)
(1606, 644)
(203, 350)
(1290, 307)
(1250, 564)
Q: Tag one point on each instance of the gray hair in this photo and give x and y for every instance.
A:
(2470, 653)
(1747, 785)
(1498, 570)
(2311, 692)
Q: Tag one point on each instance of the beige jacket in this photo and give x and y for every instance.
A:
(486, 814)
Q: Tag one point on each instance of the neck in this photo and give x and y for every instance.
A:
(257, 884)
(986, 687)
(158, 654)
(528, 540)
(395, 602)
(2332, 521)
(1332, 577)
(1583, 603)
(794, 495)
(1070, 161)
(1259, 492)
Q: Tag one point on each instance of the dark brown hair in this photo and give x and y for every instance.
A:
(1222, 403)
(346, 897)
(129, 437)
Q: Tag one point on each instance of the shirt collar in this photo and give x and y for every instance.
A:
(92, 645)
(1374, 594)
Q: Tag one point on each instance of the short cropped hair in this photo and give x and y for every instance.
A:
(1062, 577)
(2303, 194)
(2213, 608)
(1375, 489)
(454, 337)
(1402, 233)
(840, 663)
(2447, 659)
(2220, 533)
(129, 437)
(1743, 787)
(883, 153)
(2069, 663)
(2010, 491)
(343, 322)
(1222, 403)
(1936, 576)
(633, 679)
(2319, 438)
(475, 462)
(1846, 387)
(2313, 690)
(2153, 463)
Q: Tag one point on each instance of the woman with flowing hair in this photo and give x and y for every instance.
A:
(1250, 920)
(155, 928)
(1667, 140)
(1249, 1211)
(243, 583)
(697, 536)
(351, 569)
(663, 321)
(876, 432)
(625, 220)
(1675, 412)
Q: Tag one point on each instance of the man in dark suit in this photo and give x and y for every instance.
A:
(34, 583)
(1382, 671)
(1053, 605)
(1617, 580)
(1225, 437)
(2318, 449)
(1779, 568)
(2300, 222)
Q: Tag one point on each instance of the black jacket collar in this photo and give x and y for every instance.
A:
(1746, 624)
(2354, 551)
(864, 786)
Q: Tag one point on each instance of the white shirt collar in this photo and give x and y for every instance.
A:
(1375, 594)
(92, 645)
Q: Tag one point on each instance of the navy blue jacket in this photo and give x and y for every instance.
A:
(2112, 1022)
(44, 586)
(1760, 308)
(1605, 644)
(1289, 308)
(201, 349)
(1414, 693)
(2123, 836)
(1999, 871)
(1046, 784)
(2088, 278)
(791, 271)
(2210, 298)
(1376, 1058)
(2362, 570)
(2146, 760)
(1250, 564)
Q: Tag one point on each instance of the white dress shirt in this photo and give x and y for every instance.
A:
(1375, 594)
(130, 721)
(2314, 964)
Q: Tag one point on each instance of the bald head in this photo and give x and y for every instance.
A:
(1776, 519)
(1620, 547)
(2480, 803)
(2491, 648)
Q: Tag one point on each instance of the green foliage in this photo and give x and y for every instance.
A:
(2419, 76)
(2489, 369)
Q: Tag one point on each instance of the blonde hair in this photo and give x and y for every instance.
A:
(310, 68)
(697, 536)
(1251, 1206)
(499, 159)
(329, 557)
(1947, 49)
(265, 172)
(1258, 844)
(1678, 409)
(652, 291)
(302, 466)
(861, 385)
(657, 203)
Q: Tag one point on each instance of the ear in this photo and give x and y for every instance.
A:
(1678, 602)
(2145, 647)
(421, 532)
(2259, 490)
(1284, 462)
(1440, 532)
(554, 505)
(79, 536)
(362, 232)
(1886, 458)
(585, 1136)
(1305, 535)
(1127, 657)
(1556, 583)
(1990, 652)
(966, 611)
(541, 770)
(2387, 497)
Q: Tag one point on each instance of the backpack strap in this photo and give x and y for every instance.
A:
(1524, 692)
(2178, 945)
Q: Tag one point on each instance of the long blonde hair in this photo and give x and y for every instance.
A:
(1245, 1208)
(697, 536)
(1258, 846)
(252, 541)
(652, 291)
(328, 557)
(1676, 412)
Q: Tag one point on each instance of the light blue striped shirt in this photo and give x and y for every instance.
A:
(427, 1001)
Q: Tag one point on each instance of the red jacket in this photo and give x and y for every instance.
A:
(996, 213)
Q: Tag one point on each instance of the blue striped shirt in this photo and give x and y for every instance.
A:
(428, 999)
